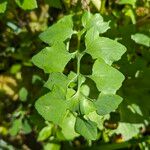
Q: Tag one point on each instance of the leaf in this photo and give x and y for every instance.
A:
(3, 5)
(94, 21)
(68, 127)
(52, 59)
(27, 4)
(86, 128)
(128, 130)
(26, 127)
(86, 106)
(45, 133)
(131, 2)
(141, 39)
(23, 93)
(54, 3)
(99, 120)
(52, 106)
(97, 4)
(16, 126)
(106, 103)
(107, 78)
(58, 32)
(101, 47)
(52, 146)
(57, 79)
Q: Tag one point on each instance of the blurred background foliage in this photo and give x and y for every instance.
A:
(21, 21)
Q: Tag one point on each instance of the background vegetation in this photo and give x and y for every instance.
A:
(21, 22)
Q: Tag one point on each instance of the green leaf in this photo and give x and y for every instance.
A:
(45, 133)
(107, 103)
(3, 5)
(23, 93)
(52, 146)
(16, 126)
(26, 126)
(58, 32)
(27, 4)
(68, 127)
(54, 3)
(99, 120)
(57, 79)
(86, 106)
(107, 78)
(128, 130)
(52, 106)
(86, 128)
(97, 4)
(141, 39)
(101, 47)
(131, 2)
(96, 21)
(52, 59)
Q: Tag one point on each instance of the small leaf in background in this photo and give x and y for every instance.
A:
(107, 103)
(107, 78)
(52, 106)
(45, 132)
(15, 68)
(128, 130)
(86, 128)
(141, 39)
(23, 93)
(51, 146)
(131, 2)
(27, 4)
(3, 5)
(49, 60)
(16, 126)
(58, 32)
(54, 3)
(26, 126)
(97, 4)
(94, 21)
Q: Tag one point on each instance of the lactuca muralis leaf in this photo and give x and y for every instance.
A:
(108, 79)
(96, 21)
(60, 31)
(107, 103)
(86, 128)
(67, 127)
(102, 47)
(59, 80)
(52, 106)
(52, 59)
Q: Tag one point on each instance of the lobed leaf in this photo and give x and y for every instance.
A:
(58, 32)
(57, 79)
(107, 78)
(86, 128)
(52, 106)
(107, 103)
(102, 47)
(96, 21)
(50, 58)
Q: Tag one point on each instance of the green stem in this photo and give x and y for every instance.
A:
(78, 71)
